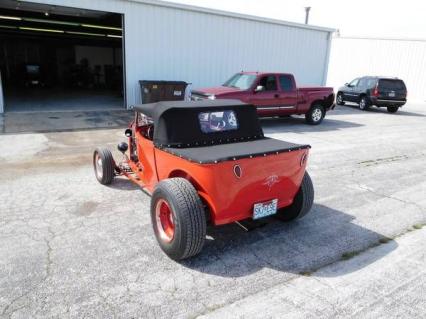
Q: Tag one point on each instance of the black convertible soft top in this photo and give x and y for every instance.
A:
(157, 110)
(176, 123)
(177, 130)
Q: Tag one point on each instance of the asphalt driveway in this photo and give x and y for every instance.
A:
(71, 247)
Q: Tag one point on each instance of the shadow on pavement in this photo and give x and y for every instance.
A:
(353, 109)
(123, 183)
(321, 238)
(298, 124)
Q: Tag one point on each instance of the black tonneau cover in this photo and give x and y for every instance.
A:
(234, 151)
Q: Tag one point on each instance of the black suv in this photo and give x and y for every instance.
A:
(374, 90)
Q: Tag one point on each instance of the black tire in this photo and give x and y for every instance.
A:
(339, 99)
(104, 165)
(315, 115)
(364, 103)
(392, 109)
(302, 203)
(188, 217)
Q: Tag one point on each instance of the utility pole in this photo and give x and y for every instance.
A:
(307, 9)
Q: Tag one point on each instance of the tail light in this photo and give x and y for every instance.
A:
(376, 90)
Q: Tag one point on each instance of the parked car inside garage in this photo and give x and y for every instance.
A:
(373, 90)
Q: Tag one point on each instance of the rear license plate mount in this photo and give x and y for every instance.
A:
(265, 209)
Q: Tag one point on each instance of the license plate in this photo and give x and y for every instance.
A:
(264, 209)
(392, 94)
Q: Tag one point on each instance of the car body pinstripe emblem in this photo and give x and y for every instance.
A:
(271, 181)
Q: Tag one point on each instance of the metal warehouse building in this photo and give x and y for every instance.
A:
(352, 57)
(79, 54)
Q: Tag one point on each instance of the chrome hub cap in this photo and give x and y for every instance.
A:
(316, 115)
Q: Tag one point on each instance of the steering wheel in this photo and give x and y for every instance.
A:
(220, 124)
(150, 132)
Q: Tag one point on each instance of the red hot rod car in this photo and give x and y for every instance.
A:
(207, 162)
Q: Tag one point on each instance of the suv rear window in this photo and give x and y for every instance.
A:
(211, 122)
(392, 84)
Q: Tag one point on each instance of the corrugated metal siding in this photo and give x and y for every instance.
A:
(205, 49)
(1, 97)
(406, 59)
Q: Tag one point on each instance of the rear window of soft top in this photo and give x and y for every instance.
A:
(212, 122)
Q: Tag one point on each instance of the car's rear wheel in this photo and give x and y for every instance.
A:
(178, 218)
(302, 202)
(104, 166)
(364, 104)
(339, 99)
(315, 115)
(392, 109)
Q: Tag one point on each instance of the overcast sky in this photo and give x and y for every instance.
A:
(374, 18)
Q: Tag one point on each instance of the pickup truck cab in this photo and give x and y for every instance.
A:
(273, 94)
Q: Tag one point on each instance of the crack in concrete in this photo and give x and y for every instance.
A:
(48, 268)
(383, 195)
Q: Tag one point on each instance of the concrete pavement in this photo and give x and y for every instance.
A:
(389, 287)
(72, 248)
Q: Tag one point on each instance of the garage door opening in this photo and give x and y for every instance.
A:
(55, 58)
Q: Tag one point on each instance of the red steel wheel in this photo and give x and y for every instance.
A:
(165, 221)
(178, 218)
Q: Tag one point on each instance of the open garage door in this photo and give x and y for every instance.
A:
(55, 58)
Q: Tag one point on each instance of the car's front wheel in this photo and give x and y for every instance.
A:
(392, 109)
(315, 115)
(339, 99)
(364, 104)
(302, 202)
(104, 165)
(178, 218)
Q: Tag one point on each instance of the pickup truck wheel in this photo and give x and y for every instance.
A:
(104, 165)
(302, 202)
(315, 115)
(364, 104)
(392, 109)
(339, 99)
(178, 218)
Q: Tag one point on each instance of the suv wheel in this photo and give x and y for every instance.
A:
(364, 104)
(392, 109)
(302, 202)
(315, 114)
(339, 99)
(178, 218)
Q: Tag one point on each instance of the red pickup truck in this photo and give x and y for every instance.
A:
(274, 94)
